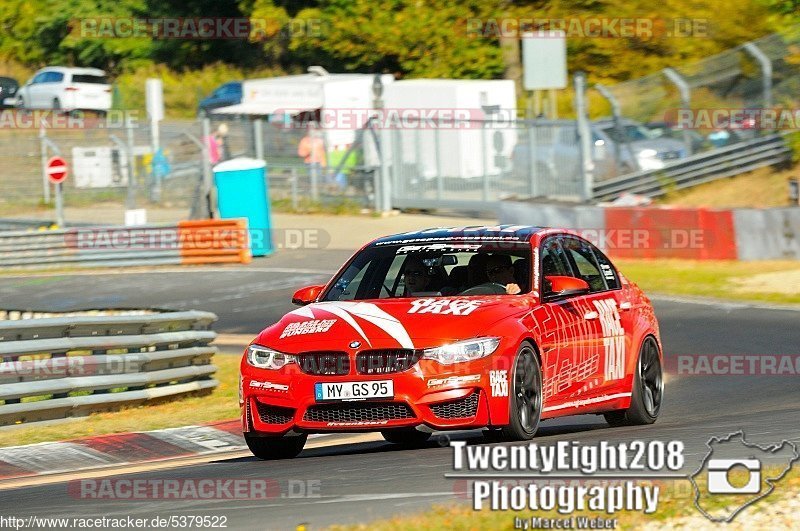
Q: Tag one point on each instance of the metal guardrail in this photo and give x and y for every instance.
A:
(68, 366)
(188, 242)
(698, 169)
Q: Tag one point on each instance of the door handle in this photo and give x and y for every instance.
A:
(625, 305)
(590, 315)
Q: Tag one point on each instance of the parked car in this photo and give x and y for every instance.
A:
(557, 150)
(638, 149)
(668, 130)
(223, 96)
(8, 92)
(66, 88)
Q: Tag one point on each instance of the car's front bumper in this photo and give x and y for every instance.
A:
(441, 397)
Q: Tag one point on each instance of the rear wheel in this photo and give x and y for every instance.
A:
(525, 400)
(406, 436)
(269, 448)
(56, 104)
(648, 390)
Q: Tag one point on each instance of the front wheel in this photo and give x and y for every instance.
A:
(525, 400)
(648, 390)
(269, 448)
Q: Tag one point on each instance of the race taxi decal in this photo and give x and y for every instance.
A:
(499, 382)
(445, 306)
(613, 338)
(454, 380)
(314, 326)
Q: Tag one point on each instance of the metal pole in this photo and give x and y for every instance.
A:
(686, 95)
(293, 177)
(386, 190)
(584, 136)
(155, 141)
(45, 181)
(258, 133)
(439, 183)
(532, 156)
(766, 72)
(485, 156)
(617, 114)
(60, 206)
(131, 199)
(208, 177)
(551, 97)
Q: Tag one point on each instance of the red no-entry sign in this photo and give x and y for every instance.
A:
(57, 170)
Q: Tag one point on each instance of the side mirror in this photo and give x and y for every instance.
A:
(306, 295)
(561, 286)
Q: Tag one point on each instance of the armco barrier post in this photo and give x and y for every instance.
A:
(585, 137)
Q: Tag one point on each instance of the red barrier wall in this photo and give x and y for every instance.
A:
(646, 232)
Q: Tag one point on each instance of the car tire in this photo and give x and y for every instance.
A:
(270, 448)
(56, 104)
(648, 389)
(406, 436)
(525, 396)
(20, 103)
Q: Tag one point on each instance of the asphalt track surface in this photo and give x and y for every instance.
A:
(365, 481)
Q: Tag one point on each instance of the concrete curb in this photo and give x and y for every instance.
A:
(120, 449)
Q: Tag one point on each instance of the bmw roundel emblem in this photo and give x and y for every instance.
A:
(355, 344)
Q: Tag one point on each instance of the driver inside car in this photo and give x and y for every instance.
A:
(500, 271)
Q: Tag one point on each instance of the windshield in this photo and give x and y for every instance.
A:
(435, 270)
(89, 78)
(631, 133)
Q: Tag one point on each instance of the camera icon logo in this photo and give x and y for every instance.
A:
(733, 467)
(721, 470)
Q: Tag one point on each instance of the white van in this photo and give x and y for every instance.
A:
(58, 87)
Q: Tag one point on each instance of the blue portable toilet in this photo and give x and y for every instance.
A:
(242, 193)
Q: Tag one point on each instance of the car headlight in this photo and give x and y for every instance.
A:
(471, 349)
(648, 153)
(265, 358)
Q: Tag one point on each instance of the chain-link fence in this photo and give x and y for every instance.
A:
(657, 120)
(720, 100)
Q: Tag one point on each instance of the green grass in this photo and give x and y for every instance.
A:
(718, 278)
(221, 404)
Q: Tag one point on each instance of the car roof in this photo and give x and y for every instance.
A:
(483, 233)
(74, 70)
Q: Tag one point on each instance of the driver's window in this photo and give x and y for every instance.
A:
(585, 263)
(552, 263)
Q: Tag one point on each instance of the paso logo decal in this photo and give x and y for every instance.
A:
(445, 306)
(613, 339)
(499, 382)
(454, 380)
(268, 386)
(313, 326)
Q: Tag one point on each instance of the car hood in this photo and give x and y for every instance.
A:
(661, 145)
(397, 323)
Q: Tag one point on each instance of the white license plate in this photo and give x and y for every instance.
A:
(354, 390)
